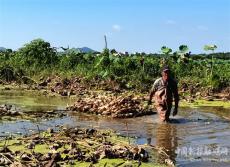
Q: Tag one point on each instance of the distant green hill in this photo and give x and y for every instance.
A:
(2, 49)
(86, 50)
(82, 50)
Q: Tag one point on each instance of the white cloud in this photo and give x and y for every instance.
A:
(202, 28)
(170, 22)
(116, 27)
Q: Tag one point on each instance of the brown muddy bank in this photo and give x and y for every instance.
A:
(75, 85)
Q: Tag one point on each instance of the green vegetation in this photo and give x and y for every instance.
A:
(205, 103)
(134, 71)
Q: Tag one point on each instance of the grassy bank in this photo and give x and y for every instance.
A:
(206, 103)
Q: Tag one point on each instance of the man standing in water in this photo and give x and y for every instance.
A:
(164, 90)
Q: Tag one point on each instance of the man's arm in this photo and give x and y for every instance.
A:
(176, 98)
(152, 91)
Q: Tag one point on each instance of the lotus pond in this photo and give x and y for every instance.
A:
(198, 136)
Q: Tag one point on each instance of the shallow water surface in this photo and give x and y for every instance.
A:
(196, 137)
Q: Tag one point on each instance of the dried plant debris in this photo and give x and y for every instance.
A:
(64, 87)
(69, 146)
(121, 106)
(11, 112)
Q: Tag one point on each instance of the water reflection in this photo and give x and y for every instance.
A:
(166, 141)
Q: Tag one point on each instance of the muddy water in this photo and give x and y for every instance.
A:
(196, 137)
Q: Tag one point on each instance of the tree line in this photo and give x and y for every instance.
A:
(131, 71)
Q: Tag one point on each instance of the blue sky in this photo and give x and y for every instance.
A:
(130, 25)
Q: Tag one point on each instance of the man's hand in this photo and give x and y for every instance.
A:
(175, 111)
